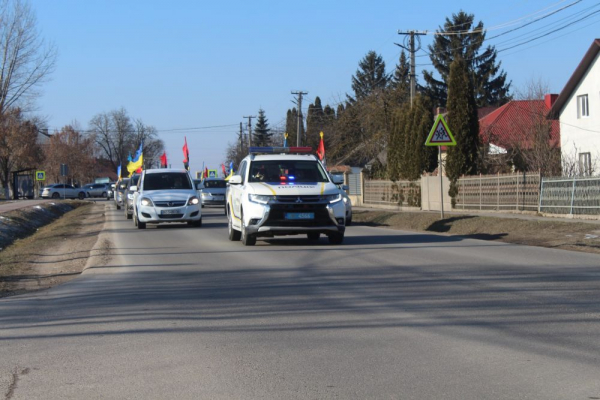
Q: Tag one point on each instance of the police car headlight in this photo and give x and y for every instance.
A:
(146, 202)
(333, 198)
(193, 200)
(260, 198)
(345, 200)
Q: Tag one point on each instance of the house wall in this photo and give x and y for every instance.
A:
(582, 135)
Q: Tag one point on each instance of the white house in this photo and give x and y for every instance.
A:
(578, 110)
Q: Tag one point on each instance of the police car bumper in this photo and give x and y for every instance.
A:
(278, 220)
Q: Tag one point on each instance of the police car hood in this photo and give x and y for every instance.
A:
(297, 189)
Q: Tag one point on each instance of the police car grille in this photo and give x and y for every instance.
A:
(167, 204)
(277, 215)
(294, 199)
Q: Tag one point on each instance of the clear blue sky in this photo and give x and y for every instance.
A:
(189, 64)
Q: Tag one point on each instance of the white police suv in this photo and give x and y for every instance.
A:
(283, 194)
(165, 195)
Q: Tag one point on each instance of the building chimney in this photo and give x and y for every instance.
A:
(549, 100)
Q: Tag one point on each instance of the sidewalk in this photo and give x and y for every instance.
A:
(528, 217)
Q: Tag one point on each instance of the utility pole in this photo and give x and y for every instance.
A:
(300, 93)
(241, 140)
(250, 129)
(411, 49)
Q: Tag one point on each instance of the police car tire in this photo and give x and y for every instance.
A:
(247, 240)
(336, 238)
(313, 236)
(234, 235)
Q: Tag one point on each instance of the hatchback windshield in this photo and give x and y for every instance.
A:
(166, 181)
(215, 184)
(289, 171)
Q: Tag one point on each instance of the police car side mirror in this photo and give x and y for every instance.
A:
(235, 180)
(337, 179)
(345, 188)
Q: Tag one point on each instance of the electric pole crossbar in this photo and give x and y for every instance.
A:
(411, 49)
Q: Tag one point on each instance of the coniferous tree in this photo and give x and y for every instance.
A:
(262, 133)
(464, 125)
(369, 77)
(291, 126)
(315, 121)
(408, 157)
(401, 77)
(460, 38)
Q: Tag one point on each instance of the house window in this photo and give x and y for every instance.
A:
(585, 164)
(583, 109)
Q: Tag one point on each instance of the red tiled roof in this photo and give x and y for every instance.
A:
(513, 124)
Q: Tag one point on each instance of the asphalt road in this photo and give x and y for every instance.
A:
(182, 313)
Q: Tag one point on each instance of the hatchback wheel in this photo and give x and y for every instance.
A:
(55, 195)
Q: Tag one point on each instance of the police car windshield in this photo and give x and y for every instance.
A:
(288, 171)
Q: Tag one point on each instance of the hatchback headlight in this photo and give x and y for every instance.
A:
(260, 198)
(193, 200)
(332, 198)
(146, 202)
(206, 194)
(130, 196)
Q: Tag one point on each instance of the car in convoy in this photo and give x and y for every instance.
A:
(284, 194)
(212, 191)
(61, 190)
(119, 193)
(166, 195)
(97, 189)
(346, 199)
(128, 195)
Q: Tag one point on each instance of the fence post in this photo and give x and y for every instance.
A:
(573, 195)
(498, 199)
(541, 194)
(463, 192)
(480, 192)
(517, 178)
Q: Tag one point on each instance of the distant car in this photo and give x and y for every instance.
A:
(166, 195)
(60, 190)
(97, 189)
(212, 191)
(128, 196)
(119, 193)
(110, 193)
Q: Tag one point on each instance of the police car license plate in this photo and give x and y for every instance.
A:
(304, 215)
(167, 212)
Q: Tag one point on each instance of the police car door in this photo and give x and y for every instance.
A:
(237, 192)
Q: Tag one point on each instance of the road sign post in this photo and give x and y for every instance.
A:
(439, 136)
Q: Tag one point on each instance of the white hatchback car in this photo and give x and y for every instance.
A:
(166, 195)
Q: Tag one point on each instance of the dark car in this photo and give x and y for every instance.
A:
(128, 198)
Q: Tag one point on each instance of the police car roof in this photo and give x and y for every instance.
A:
(281, 157)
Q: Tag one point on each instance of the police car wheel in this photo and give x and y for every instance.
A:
(234, 235)
(336, 238)
(313, 236)
(247, 240)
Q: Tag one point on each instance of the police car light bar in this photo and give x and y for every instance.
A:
(277, 150)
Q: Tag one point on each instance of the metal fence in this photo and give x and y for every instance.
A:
(499, 192)
(401, 193)
(574, 196)
(354, 184)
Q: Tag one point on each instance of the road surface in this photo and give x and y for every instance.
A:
(182, 313)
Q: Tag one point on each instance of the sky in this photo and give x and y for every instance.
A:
(194, 69)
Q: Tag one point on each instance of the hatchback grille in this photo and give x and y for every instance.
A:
(166, 204)
(170, 216)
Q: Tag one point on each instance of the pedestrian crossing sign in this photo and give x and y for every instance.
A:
(40, 175)
(440, 134)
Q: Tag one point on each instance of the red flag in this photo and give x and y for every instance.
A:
(163, 160)
(186, 154)
(206, 172)
(321, 149)
(224, 170)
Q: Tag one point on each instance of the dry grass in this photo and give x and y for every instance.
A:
(579, 236)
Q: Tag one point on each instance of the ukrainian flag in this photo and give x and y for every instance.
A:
(137, 162)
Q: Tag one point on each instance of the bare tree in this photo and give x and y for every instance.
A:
(19, 148)
(70, 147)
(26, 61)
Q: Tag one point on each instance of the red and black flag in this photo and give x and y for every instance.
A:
(186, 155)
